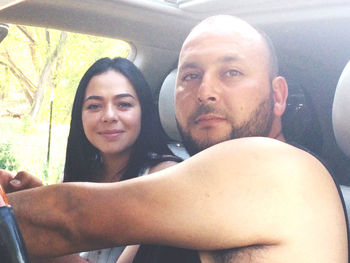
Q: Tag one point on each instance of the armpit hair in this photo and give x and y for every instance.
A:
(250, 254)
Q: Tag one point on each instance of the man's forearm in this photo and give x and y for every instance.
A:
(214, 200)
(71, 217)
(48, 224)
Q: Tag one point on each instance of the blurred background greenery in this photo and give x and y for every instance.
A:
(39, 72)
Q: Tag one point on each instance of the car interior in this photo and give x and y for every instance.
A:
(312, 40)
(3, 31)
(340, 123)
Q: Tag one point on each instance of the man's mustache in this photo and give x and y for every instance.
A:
(205, 109)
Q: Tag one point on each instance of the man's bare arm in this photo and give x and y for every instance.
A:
(239, 193)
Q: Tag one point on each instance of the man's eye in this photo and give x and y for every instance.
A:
(232, 73)
(190, 77)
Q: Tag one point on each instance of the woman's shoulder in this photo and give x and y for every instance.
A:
(161, 166)
(157, 162)
(155, 158)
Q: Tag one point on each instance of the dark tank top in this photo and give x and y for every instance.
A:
(165, 254)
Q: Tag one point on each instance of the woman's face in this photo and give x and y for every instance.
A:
(111, 113)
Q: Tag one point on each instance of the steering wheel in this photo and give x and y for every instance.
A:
(12, 247)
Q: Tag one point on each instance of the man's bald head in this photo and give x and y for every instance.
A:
(226, 24)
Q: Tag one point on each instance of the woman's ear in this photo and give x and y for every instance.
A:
(280, 94)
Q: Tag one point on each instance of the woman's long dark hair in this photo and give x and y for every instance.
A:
(83, 160)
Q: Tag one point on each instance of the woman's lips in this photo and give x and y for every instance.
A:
(111, 134)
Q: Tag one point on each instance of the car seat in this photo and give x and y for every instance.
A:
(166, 108)
(341, 122)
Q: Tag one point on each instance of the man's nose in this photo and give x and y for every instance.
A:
(208, 89)
(109, 114)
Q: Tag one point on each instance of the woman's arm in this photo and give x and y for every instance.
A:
(129, 252)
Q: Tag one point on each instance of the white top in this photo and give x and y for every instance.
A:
(107, 255)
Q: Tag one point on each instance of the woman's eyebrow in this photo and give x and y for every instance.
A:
(93, 97)
(121, 95)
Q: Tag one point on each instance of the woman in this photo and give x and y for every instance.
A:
(113, 105)
(115, 134)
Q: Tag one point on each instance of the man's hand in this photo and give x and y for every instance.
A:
(21, 181)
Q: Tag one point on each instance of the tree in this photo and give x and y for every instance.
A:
(34, 85)
(35, 61)
(47, 73)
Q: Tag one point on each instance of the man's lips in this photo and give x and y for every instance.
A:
(209, 118)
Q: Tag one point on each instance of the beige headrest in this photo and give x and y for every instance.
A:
(341, 111)
(167, 106)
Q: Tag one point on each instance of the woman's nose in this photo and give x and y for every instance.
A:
(109, 114)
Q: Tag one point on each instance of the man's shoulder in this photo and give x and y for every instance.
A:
(264, 152)
(287, 190)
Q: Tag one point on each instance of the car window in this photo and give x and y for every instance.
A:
(39, 72)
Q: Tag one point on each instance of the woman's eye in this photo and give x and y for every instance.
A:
(93, 106)
(124, 105)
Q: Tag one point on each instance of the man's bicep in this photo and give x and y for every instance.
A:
(250, 197)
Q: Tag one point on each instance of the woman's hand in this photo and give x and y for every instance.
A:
(5, 178)
(21, 181)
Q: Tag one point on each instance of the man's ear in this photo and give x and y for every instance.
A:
(280, 94)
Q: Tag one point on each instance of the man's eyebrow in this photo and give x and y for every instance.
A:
(121, 95)
(222, 59)
(227, 59)
(188, 65)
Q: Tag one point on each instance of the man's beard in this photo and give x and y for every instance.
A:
(258, 124)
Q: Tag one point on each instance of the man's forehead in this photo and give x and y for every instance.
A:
(219, 33)
(223, 25)
(221, 47)
(213, 35)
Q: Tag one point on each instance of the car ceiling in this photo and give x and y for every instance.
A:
(311, 28)
(312, 37)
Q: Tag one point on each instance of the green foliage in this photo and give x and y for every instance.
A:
(26, 125)
(7, 159)
(29, 147)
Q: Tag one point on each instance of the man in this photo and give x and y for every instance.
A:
(229, 85)
(245, 200)
(228, 81)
